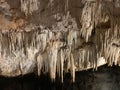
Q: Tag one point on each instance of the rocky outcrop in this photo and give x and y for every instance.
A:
(58, 36)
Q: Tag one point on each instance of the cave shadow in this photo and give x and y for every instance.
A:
(105, 78)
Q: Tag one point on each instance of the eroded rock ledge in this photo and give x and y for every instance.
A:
(58, 36)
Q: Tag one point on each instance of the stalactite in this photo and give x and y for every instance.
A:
(87, 20)
(51, 3)
(39, 64)
(112, 35)
(112, 51)
(72, 68)
(62, 65)
(53, 60)
(29, 6)
(66, 5)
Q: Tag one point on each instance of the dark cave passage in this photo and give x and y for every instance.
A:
(105, 78)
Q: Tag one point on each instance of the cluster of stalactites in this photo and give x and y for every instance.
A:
(103, 18)
(61, 49)
(112, 43)
(91, 15)
(111, 35)
(50, 51)
(45, 49)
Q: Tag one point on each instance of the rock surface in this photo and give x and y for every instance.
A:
(58, 36)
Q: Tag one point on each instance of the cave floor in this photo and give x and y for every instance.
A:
(105, 78)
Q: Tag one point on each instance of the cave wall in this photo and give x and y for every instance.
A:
(58, 36)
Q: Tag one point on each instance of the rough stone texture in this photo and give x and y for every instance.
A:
(58, 36)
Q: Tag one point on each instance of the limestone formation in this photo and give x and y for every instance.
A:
(58, 36)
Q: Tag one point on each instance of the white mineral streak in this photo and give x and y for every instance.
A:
(29, 6)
